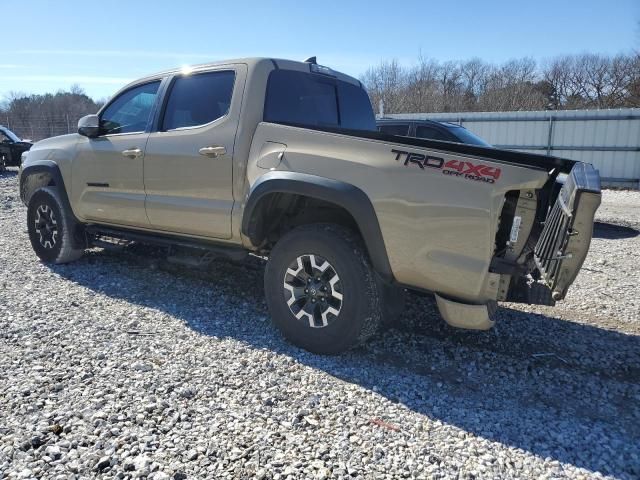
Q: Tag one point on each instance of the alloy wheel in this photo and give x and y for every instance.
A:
(46, 226)
(313, 291)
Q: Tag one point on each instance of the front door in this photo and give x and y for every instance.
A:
(107, 176)
(188, 162)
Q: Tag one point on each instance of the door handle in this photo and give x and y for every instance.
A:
(132, 153)
(213, 151)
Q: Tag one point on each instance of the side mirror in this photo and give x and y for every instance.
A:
(89, 126)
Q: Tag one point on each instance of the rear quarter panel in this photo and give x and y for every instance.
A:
(438, 229)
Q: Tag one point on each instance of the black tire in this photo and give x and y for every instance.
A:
(51, 228)
(360, 311)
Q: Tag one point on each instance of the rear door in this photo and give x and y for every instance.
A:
(188, 165)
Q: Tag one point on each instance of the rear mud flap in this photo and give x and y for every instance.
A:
(465, 315)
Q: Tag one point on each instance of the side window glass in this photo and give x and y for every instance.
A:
(423, 131)
(198, 99)
(402, 130)
(130, 111)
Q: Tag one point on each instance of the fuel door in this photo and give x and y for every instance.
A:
(271, 155)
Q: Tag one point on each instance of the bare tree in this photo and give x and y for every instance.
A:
(386, 83)
(475, 75)
(421, 87)
(634, 85)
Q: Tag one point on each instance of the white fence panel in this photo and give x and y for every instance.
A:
(609, 139)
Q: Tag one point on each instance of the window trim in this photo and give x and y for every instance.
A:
(167, 94)
(152, 113)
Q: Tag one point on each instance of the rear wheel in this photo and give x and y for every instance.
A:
(51, 228)
(321, 289)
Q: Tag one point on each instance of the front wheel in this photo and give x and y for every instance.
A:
(51, 228)
(321, 290)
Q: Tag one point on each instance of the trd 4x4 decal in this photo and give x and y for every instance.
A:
(457, 168)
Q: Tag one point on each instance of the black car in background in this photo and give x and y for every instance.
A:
(11, 148)
(432, 130)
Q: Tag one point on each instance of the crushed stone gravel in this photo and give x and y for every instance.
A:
(123, 366)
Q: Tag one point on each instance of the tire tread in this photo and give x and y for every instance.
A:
(369, 307)
(68, 252)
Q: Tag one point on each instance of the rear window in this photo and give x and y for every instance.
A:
(431, 133)
(466, 136)
(402, 130)
(317, 101)
(9, 135)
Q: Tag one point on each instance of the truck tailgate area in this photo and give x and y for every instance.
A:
(568, 228)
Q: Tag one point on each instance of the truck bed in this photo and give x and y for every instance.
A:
(440, 204)
(512, 157)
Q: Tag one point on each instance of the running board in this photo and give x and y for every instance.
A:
(210, 248)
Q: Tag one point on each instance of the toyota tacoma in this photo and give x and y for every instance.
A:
(282, 159)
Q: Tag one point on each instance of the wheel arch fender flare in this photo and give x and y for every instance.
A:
(32, 177)
(342, 194)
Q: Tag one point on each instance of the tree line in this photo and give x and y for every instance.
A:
(42, 116)
(566, 82)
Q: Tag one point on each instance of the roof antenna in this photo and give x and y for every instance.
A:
(311, 60)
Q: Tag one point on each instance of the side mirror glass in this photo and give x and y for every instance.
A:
(89, 126)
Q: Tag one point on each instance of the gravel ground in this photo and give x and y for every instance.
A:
(119, 366)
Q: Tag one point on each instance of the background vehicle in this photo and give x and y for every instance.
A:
(283, 158)
(429, 129)
(12, 147)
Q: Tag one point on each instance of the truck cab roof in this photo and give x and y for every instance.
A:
(252, 63)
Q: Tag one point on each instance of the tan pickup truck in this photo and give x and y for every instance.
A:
(282, 159)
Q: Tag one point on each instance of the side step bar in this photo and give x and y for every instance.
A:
(211, 248)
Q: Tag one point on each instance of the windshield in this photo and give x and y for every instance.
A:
(466, 136)
(9, 134)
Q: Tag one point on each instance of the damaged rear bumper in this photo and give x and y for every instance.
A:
(564, 242)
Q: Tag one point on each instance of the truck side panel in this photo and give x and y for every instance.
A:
(438, 211)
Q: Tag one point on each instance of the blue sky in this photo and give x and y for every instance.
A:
(103, 45)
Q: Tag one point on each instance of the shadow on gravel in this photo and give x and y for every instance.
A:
(558, 389)
(610, 231)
